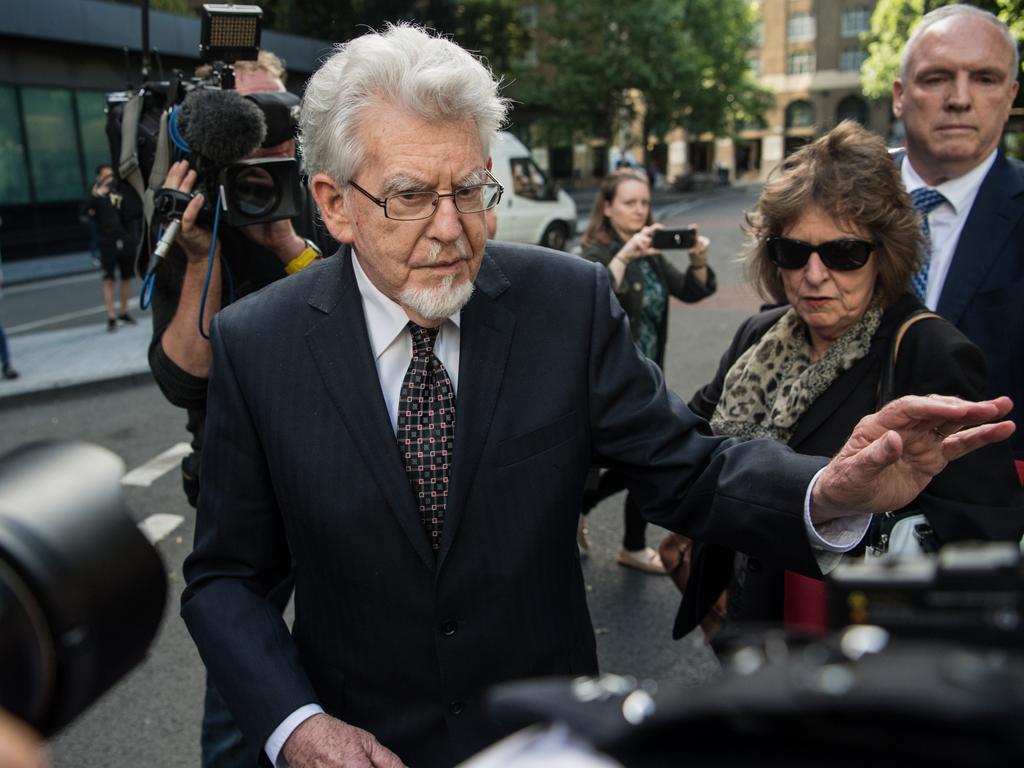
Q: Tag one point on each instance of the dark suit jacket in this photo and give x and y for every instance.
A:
(976, 497)
(300, 456)
(983, 294)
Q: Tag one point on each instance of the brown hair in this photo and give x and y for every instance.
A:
(599, 227)
(849, 175)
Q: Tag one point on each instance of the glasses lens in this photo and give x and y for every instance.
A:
(845, 255)
(788, 254)
(412, 205)
(477, 198)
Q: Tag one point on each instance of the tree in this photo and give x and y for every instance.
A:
(891, 25)
(680, 62)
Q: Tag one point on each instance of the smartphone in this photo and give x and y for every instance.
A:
(667, 239)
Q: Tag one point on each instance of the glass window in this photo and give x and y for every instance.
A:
(754, 64)
(757, 34)
(801, 26)
(854, 21)
(529, 181)
(852, 108)
(53, 148)
(800, 114)
(92, 122)
(13, 179)
(851, 58)
(800, 63)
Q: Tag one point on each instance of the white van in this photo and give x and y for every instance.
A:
(531, 210)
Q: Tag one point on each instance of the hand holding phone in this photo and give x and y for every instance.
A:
(674, 239)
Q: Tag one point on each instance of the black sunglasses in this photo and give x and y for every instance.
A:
(841, 255)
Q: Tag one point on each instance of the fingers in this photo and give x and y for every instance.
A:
(935, 411)
(967, 440)
(382, 757)
(178, 173)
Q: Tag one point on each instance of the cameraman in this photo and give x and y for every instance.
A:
(249, 257)
(118, 242)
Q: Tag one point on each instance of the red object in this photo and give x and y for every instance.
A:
(1020, 470)
(804, 608)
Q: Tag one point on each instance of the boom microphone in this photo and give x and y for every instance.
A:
(221, 126)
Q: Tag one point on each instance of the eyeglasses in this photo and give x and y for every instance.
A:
(840, 255)
(413, 206)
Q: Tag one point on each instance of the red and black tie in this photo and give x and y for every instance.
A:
(426, 430)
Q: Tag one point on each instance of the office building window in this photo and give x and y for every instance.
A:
(800, 114)
(800, 26)
(850, 59)
(52, 145)
(14, 189)
(92, 130)
(854, 21)
(852, 108)
(800, 63)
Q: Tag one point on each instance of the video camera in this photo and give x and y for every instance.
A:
(204, 120)
(82, 591)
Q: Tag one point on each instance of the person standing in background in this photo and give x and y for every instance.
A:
(957, 83)
(117, 243)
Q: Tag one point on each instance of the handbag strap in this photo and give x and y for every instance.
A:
(886, 382)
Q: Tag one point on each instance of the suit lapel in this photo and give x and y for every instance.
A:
(997, 208)
(341, 350)
(487, 331)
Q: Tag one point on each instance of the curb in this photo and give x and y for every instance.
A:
(75, 390)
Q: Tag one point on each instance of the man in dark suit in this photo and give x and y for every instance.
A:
(958, 79)
(410, 424)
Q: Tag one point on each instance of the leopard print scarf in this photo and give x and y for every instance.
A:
(774, 382)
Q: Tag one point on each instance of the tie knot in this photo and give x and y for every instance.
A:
(422, 339)
(926, 199)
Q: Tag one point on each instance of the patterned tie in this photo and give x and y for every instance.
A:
(426, 430)
(925, 200)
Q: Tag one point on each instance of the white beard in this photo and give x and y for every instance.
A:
(437, 303)
(443, 301)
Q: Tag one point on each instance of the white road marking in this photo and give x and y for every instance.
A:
(55, 319)
(156, 527)
(157, 467)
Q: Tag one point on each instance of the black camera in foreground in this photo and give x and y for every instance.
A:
(82, 591)
(924, 666)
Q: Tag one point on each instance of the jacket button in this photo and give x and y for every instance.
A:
(449, 628)
(456, 707)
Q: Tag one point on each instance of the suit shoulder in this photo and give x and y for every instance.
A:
(281, 296)
(515, 259)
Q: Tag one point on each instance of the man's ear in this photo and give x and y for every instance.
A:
(490, 163)
(331, 202)
(897, 98)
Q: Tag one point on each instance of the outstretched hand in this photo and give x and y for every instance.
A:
(324, 741)
(894, 453)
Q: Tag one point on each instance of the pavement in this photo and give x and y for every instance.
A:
(56, 361)
(71, 358)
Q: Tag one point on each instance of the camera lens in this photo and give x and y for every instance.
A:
(254, 192)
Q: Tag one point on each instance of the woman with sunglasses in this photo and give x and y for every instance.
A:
(619, 236)
(835, 241)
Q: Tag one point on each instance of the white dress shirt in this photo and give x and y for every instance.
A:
(946, 221)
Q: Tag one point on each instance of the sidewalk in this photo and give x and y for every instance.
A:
(49, 361)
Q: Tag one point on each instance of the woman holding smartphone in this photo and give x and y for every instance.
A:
(620, 235)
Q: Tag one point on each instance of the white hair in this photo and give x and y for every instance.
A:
(403, 67)
(949, 11)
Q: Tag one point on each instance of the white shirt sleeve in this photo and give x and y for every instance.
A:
(285, 729)
(831, 539)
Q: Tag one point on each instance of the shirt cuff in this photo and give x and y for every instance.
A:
(285, 729)
(831, 539)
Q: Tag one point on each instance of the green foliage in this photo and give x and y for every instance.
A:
(687, 60)
(891, 25)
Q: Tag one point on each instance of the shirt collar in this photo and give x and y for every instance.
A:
(959, 191)
(385, 318)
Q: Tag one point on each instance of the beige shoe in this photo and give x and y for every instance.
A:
(646, 560)
(582, 537)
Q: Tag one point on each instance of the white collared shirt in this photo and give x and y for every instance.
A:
(391, 343)
(946, 221)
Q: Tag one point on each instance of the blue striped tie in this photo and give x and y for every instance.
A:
(925, 200)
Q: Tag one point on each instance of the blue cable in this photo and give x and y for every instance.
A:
(209, 268)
